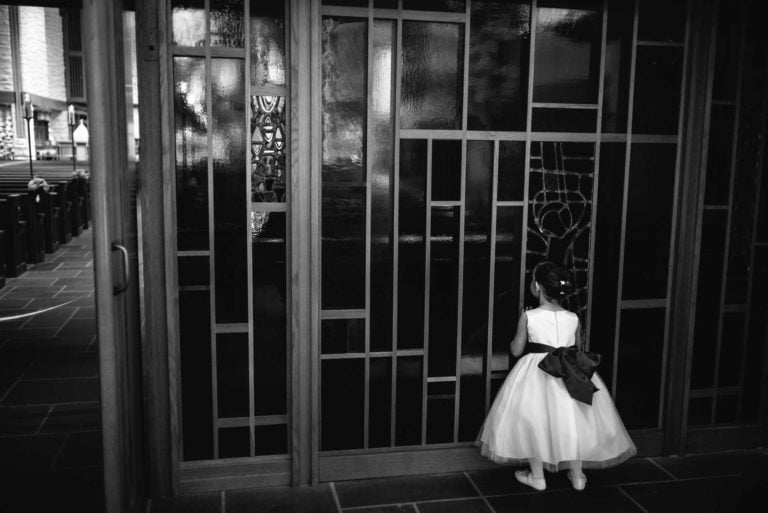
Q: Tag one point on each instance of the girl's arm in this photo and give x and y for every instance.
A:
(521, 337)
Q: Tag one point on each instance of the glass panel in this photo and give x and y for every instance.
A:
(267, 43)
(618, 61)
(342, 400)
(408, 400)
(194, 271)
(196, 384)
(348, 3)
(443, 290)
(726, 408)
(188, 22)
(662, 20)
(227, 20)
(343, 336)
(569, 36)
(343, 259)
(641, 344)
(506, 285)
(719, 160)
(382, 151)
(385, 4)
(191, 135)
(441, 399)
(446, 170)
(657, 90)
(229, 194)
(268, 250)
(499, 48)
(564, 120)
(731, 350)
(232, 374)
(268, 138)
(708, 299)
(727, 54)
(412, 211)
(234, 442)
(380, 406)
(649, 220)
(754, 44)
(756, 337)
(511, 170)
(434, 5)
(432, 84)
(700, 411)
(610, 195)
(271, 439)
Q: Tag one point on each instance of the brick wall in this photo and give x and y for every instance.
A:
(57, 86)
(6, 68)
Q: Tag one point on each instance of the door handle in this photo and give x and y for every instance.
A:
(118, 289)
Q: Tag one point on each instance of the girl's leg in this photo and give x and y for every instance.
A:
(534, 478)
(537, 470)
(576, 468)
(576, 475)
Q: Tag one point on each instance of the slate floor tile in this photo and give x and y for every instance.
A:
(21, 420)
(303, 499)
(712, 464)
(50, 319)
(65, 418)
(459, 506)
(53, 391)
(602, 500)
(28, 452)
(43, 266)
(197, 503)
(49, 345)
(707, 495)
(398, 490)
(396, 508)
(501, 481)
(81, 450)
(78, 327)
(80, 490)
(74, 365)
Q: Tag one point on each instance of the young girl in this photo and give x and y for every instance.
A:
(545, 420)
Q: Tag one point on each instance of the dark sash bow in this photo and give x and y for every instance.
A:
(575, 366)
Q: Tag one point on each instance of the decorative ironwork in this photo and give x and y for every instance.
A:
(268, 149)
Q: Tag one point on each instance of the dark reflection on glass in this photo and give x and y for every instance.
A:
(408, 400)
(232, 374)
(234, 442)
(440, 418)
(380, 406)
(268, 139)
(726, 408)
(618, 61)
(196, 385)
(343, 259)
(188, 22)
(193, 271)
(663, 20)
(270, 439)
(229, 195)
(727, 54)
(567, 60)
(434, 5)
(499, 48)
(382, 151)
(342, 399)
(754, 43)
(191, 134)
(657, 90)
(506, 285)
(343, 336)
(564, 120)
(719, 155)
(756, 334)
(227, 23)
(269, 313)
(610, 195)
(700, 411)
(443, 290)
(708, 298)
(511, 170)
(446, 170)
(641, 344)
(731, 350)
(432, 84)
(348, 3)
(649, 220)
(267, 43)
(385, 4)
(412, 212)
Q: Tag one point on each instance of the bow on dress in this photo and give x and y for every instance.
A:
(575, 366)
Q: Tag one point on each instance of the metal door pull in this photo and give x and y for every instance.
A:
(126, 271)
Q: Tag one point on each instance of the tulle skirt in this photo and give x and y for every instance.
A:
(533, 416)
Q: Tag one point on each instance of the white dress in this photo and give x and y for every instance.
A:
(533, 416)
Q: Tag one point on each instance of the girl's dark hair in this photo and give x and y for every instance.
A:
(554, 279)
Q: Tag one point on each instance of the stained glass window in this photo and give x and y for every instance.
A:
(268, 171)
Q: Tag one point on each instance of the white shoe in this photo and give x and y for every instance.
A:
(578, 482)
(525, 477)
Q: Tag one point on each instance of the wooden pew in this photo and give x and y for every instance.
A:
(14, 228)
(34, 215)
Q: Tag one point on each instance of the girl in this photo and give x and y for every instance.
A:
(545, 420)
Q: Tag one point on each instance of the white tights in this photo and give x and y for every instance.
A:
(537, 469)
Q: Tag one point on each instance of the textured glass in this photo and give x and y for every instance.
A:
(727, 54)
(412, 222)
(267, 43)
(618, 61)
(756, 337)
(230, 208)
(381, 147)
(194, 271)
(726, 408)
(708, 298)
(235, 442)
(188, 22)
(567, 57)
(649, 220)
(446, 170)
(700, 411)
(191, 137)
(560, 210)
(348, 3)
(443, 290)
(196, 365)
(663, 20)
(227, 23)
(732, 350)
(380, 402)
(268, 139)
(268, 251)
(385, 4)
(408, 400)
(641, 348)
(499, 47)
(719, 155)
(506, 285)
(270, 439)
(511, 170)
(433, 63)
(564, 120)
(342, 399)
(434, 5)
(754, 42)
(343, 336)
(657, 90)
(232, 374)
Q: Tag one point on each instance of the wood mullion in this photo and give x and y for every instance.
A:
(398, 62)
(249, 244)
(368, 157)
(427, 267)
(487, 368)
